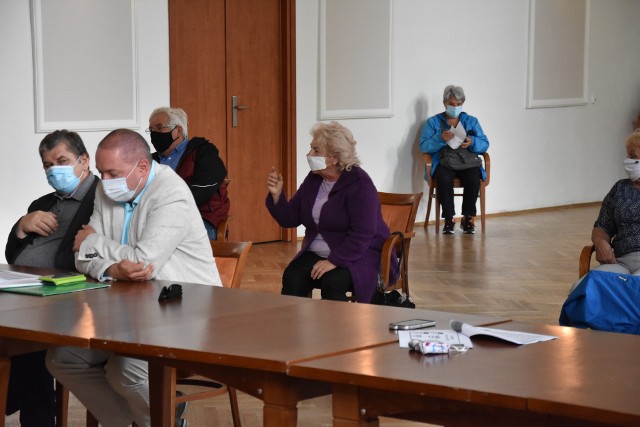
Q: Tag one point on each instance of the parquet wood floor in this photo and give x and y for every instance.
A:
(521, 268)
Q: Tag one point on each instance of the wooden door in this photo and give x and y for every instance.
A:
(221, 49)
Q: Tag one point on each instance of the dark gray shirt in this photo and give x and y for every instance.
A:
(42, 251)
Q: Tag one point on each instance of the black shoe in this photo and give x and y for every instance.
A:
(449, 226)
(181, 408)
(467, 225)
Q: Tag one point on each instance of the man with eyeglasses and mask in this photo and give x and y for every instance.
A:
(145, 226)
(44, 238)
(196, 160)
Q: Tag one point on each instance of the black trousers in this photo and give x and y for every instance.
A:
(31, 391)
(297, 281)
(470, 179)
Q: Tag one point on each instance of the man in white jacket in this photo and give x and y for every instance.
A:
(145, 225)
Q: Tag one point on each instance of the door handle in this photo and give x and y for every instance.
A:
(234, 111)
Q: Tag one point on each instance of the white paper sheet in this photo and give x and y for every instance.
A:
(511, 336)
(14, 279)
(459, 135)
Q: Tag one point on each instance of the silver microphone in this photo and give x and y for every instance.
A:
(456, 325)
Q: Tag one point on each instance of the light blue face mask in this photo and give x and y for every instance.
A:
(62, 178)
(454, 112)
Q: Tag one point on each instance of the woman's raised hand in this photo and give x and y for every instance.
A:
(274, 184)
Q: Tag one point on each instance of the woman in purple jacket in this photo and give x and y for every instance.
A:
(339, 207)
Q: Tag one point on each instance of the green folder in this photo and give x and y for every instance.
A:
(46, 290)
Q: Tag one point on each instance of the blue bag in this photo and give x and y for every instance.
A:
(604, 301)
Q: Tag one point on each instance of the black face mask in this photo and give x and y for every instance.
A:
(161, 141)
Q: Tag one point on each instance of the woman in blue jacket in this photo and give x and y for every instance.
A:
(446, 128)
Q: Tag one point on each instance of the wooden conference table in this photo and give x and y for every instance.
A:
(246, 339)
(253, 351)
(583, 378)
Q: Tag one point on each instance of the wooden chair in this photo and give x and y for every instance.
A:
(584, 265)
(433, 190)
(223, 225)
(399, 213)
(231, 257)
(223, 229)
(393, 241)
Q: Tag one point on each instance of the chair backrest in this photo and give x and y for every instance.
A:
(231, 258)
(584, 265)
(223, 225)
(399, 211)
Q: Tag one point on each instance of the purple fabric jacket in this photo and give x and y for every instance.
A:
(350, 222)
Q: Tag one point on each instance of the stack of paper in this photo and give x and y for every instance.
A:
(14, 279)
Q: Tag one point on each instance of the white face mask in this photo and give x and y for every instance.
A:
(632, 167)
(117, 189)
(317, 163)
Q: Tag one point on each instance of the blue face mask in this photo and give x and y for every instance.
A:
(454, 112)
(62, 178)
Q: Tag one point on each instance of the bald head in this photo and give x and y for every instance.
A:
(130, 146)
(124, 154)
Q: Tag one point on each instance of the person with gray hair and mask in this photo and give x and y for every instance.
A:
(44, 237)
(195, 159)
(458, 130)
(145, 225)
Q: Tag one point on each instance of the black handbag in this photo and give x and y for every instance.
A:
(459, 158)
(395, 298)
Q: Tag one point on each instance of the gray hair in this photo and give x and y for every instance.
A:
(72, 139)
(177, 117)
(132, 145)
(337, 141)
(456, 91)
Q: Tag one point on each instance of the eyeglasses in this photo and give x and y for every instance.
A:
(159, 128)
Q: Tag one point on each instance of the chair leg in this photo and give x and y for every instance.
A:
(235, 412)
(429, 199)
(437, 213)
(5, 370)
(482, 214)
(62, 405)
(91, 420)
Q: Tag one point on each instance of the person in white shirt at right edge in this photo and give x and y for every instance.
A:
(145, 225)
(616, 232)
